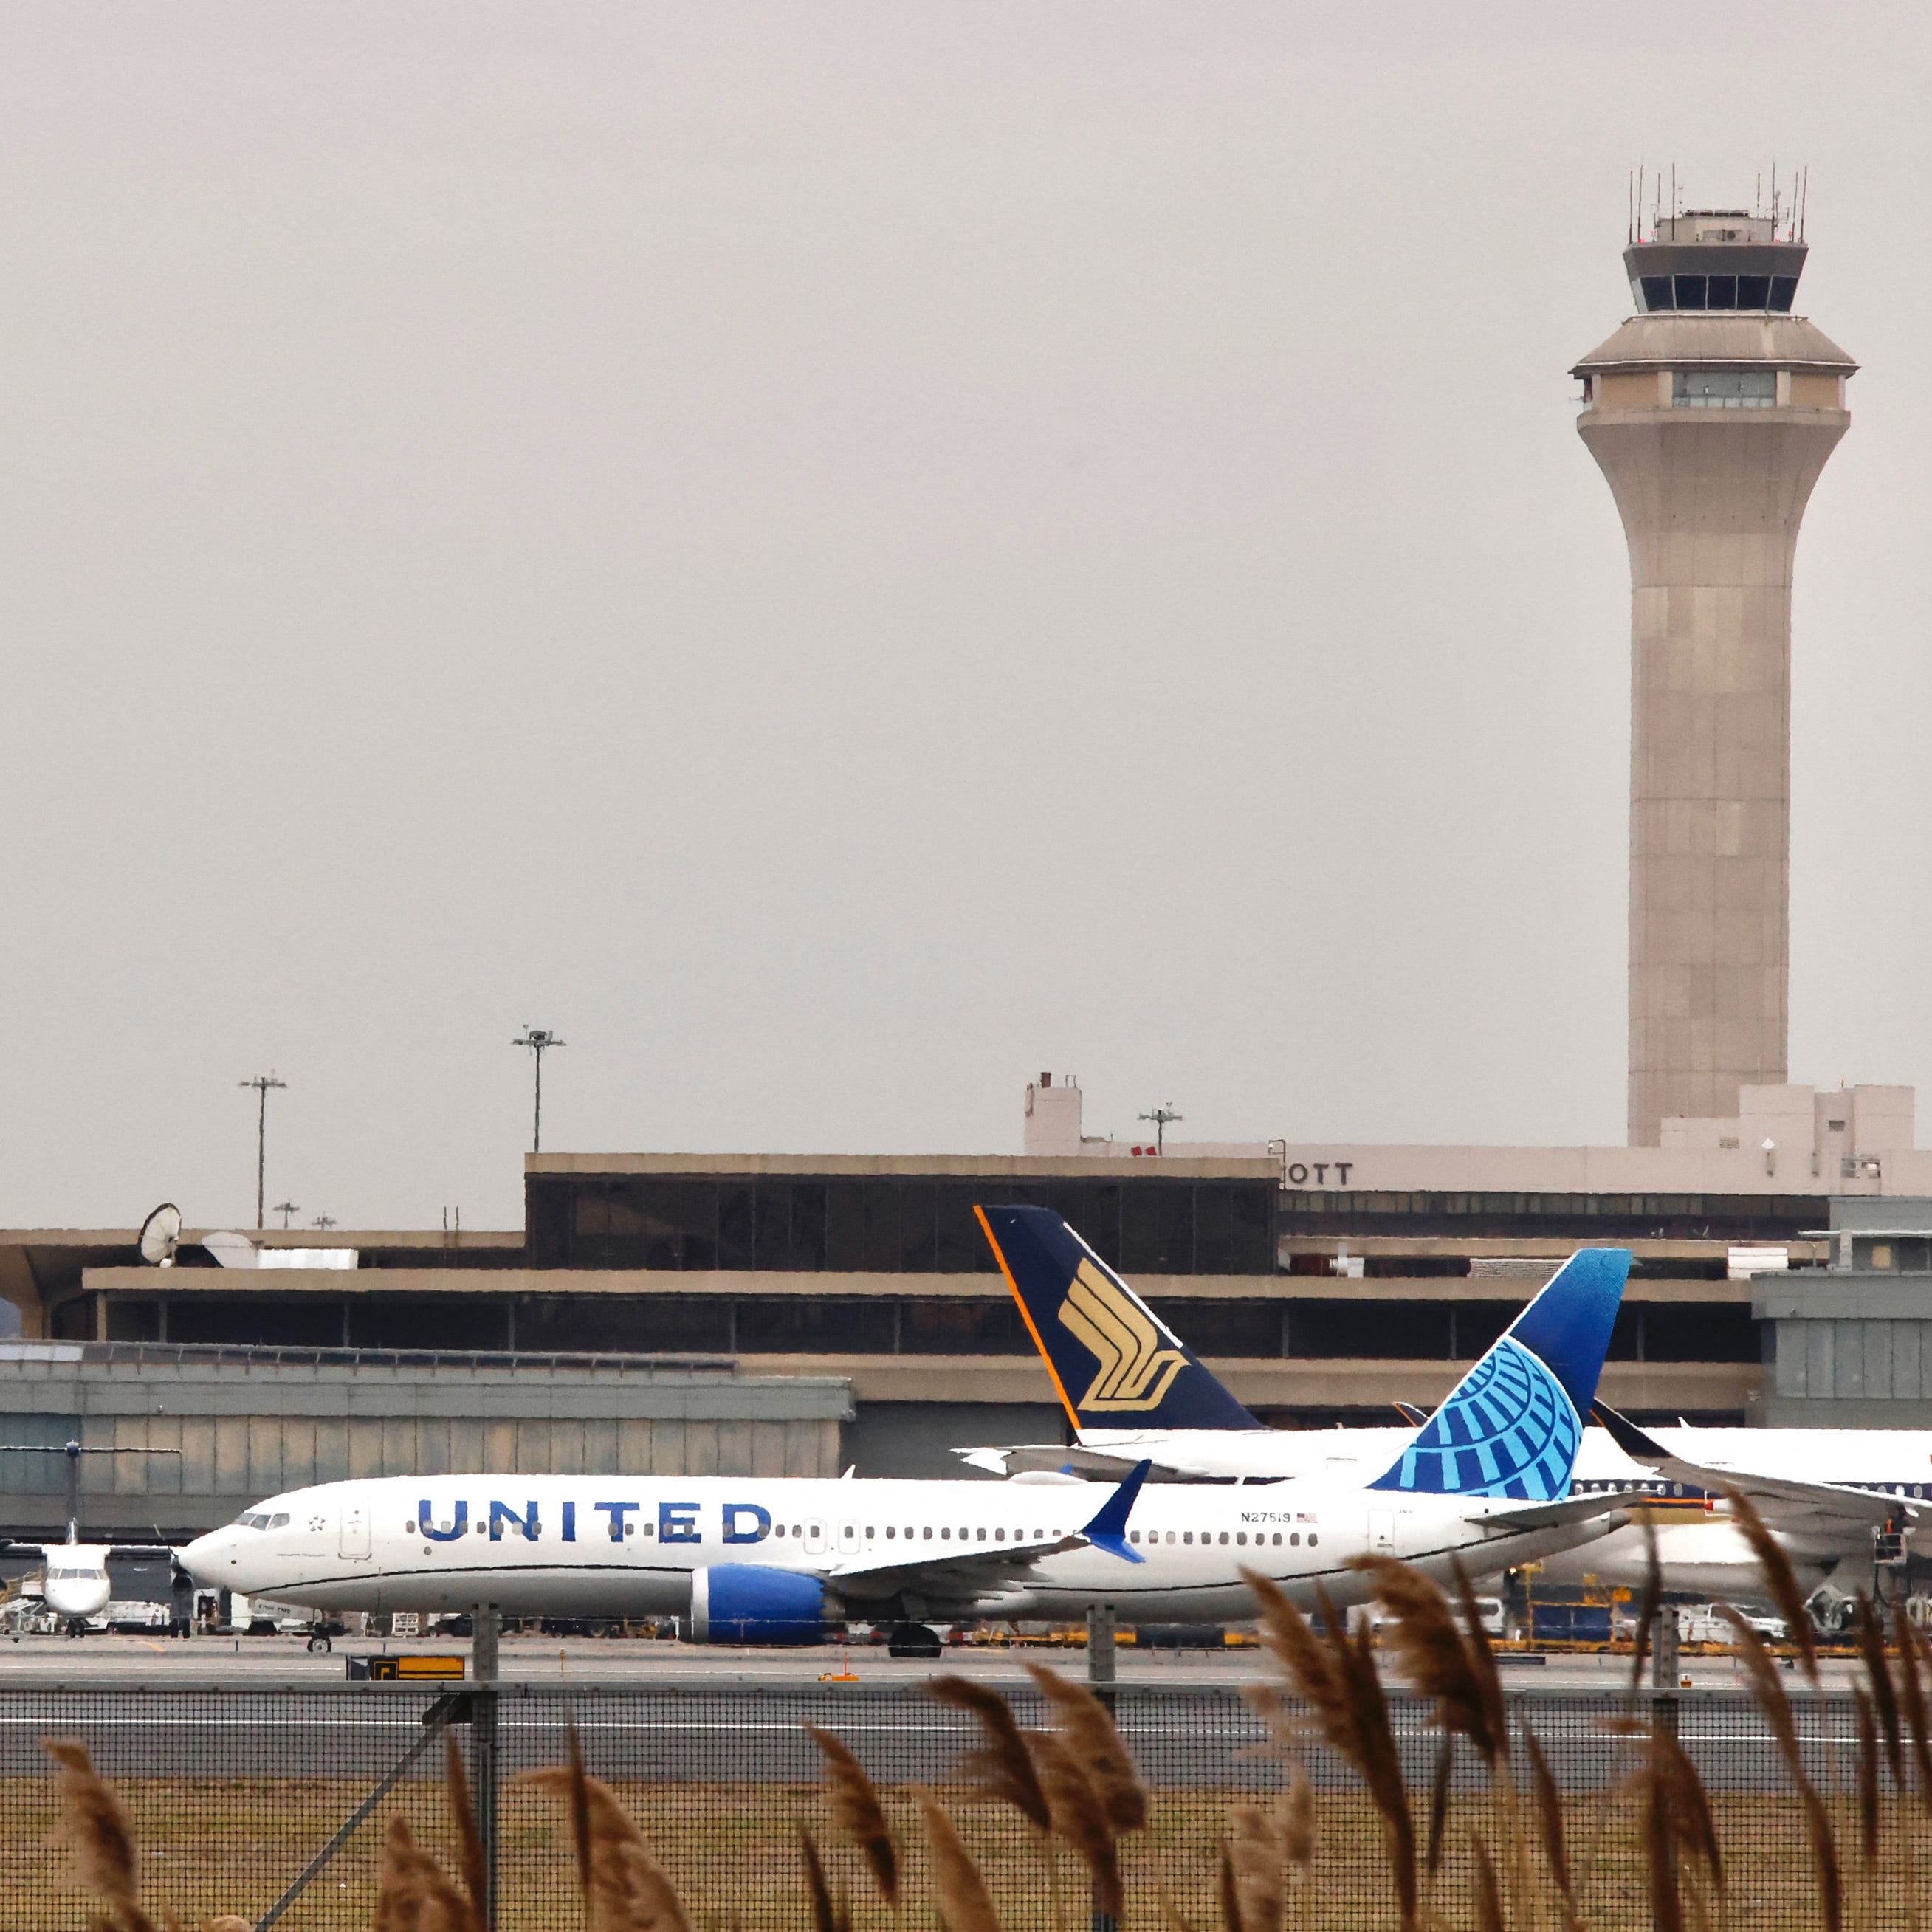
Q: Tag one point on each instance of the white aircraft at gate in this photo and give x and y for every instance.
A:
(1487, 1479)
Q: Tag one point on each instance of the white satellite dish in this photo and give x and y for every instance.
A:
(160, 1235)
(232, 1250)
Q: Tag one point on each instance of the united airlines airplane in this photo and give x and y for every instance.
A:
(1838, 1499)
(1486, 1478)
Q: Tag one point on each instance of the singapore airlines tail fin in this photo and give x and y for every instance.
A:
(1116, 1364)
(1512, 1425)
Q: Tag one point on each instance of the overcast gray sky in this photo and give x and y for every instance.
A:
(841, 555)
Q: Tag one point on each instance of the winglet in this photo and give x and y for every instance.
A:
(1626, 1434)
(1109, 1529)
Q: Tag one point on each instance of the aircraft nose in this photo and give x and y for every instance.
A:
(202, 1558)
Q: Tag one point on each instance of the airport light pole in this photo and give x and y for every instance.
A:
(539, 1040)
(1160, 1117)
(262, 1083)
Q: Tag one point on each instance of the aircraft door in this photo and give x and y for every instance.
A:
(815, 1538)
(848, 1538)
(1382, 1531)
(355, 1544)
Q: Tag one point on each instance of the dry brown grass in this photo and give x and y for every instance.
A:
(732, 1852)
(1658, 1849)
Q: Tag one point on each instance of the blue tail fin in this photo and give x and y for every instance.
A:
(1512, 1425)
(1116, 1364)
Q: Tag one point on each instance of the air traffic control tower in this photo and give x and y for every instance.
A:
(1711, 412)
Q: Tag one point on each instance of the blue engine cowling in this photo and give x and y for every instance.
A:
(745, 1602)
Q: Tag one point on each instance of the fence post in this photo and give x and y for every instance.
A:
(1666, 1658)
(488, 1626)
(1101, 1628)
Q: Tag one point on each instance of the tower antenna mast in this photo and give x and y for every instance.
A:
(262, 1083)
(539, 1040)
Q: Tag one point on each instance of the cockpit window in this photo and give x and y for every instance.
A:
(280, 1522)
(254, 1519)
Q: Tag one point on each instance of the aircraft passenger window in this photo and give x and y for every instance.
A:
(979, 1536)
(870, 1532)
(1170, 1536)
(890, 1531)
(650, 1529)
(482, 1528)
(946, 1535)
(409, 1527)
(1133, 1536)
(1294, 1538)
(779, 1530)
(1224, 1536)
(1187, 1536)
(927, 1532)
(1240, 1536)
(999, 1536)
(1312, 1539)
(1277, 1539)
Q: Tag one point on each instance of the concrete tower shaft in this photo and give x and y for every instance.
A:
(1712, 425)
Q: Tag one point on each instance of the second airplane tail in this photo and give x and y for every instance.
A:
(1116, 1364)
(1512, 1425)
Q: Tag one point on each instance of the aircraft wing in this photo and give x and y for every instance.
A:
(1785, 1502)
(1550, 1516)
(1070, 1458)
(955, 1571)
(150, 1552)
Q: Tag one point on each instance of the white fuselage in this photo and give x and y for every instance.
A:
(619, 1546)
(74, 1583)
(1699, 1549)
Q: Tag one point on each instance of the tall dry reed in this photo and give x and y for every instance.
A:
(1780, 1579)
(1091, 1731)
(1079, 1816)
(1336, 1677)
(959, 1894)
(1767, 1687)
(95, 1830)
(829, 1913)
(858, 1811)
(625, 1888)
(1254, 1870)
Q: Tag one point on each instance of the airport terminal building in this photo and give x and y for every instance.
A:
(800, 1314)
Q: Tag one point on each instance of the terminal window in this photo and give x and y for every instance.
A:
(1724, 388)
(889, 1224)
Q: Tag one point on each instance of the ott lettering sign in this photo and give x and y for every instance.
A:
(1298, 1172)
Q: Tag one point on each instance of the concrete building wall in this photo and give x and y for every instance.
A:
(243, 1430)
(1711, 499)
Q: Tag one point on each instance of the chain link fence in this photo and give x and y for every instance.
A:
(233, 1792)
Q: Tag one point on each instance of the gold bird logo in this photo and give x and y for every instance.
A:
(1136, 1371)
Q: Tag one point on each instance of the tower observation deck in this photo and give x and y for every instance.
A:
(1711, 412)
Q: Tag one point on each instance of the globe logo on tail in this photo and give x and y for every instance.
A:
(1136, 1371)
(1509, 1430)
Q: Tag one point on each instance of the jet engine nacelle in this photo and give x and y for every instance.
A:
(745, 1602)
